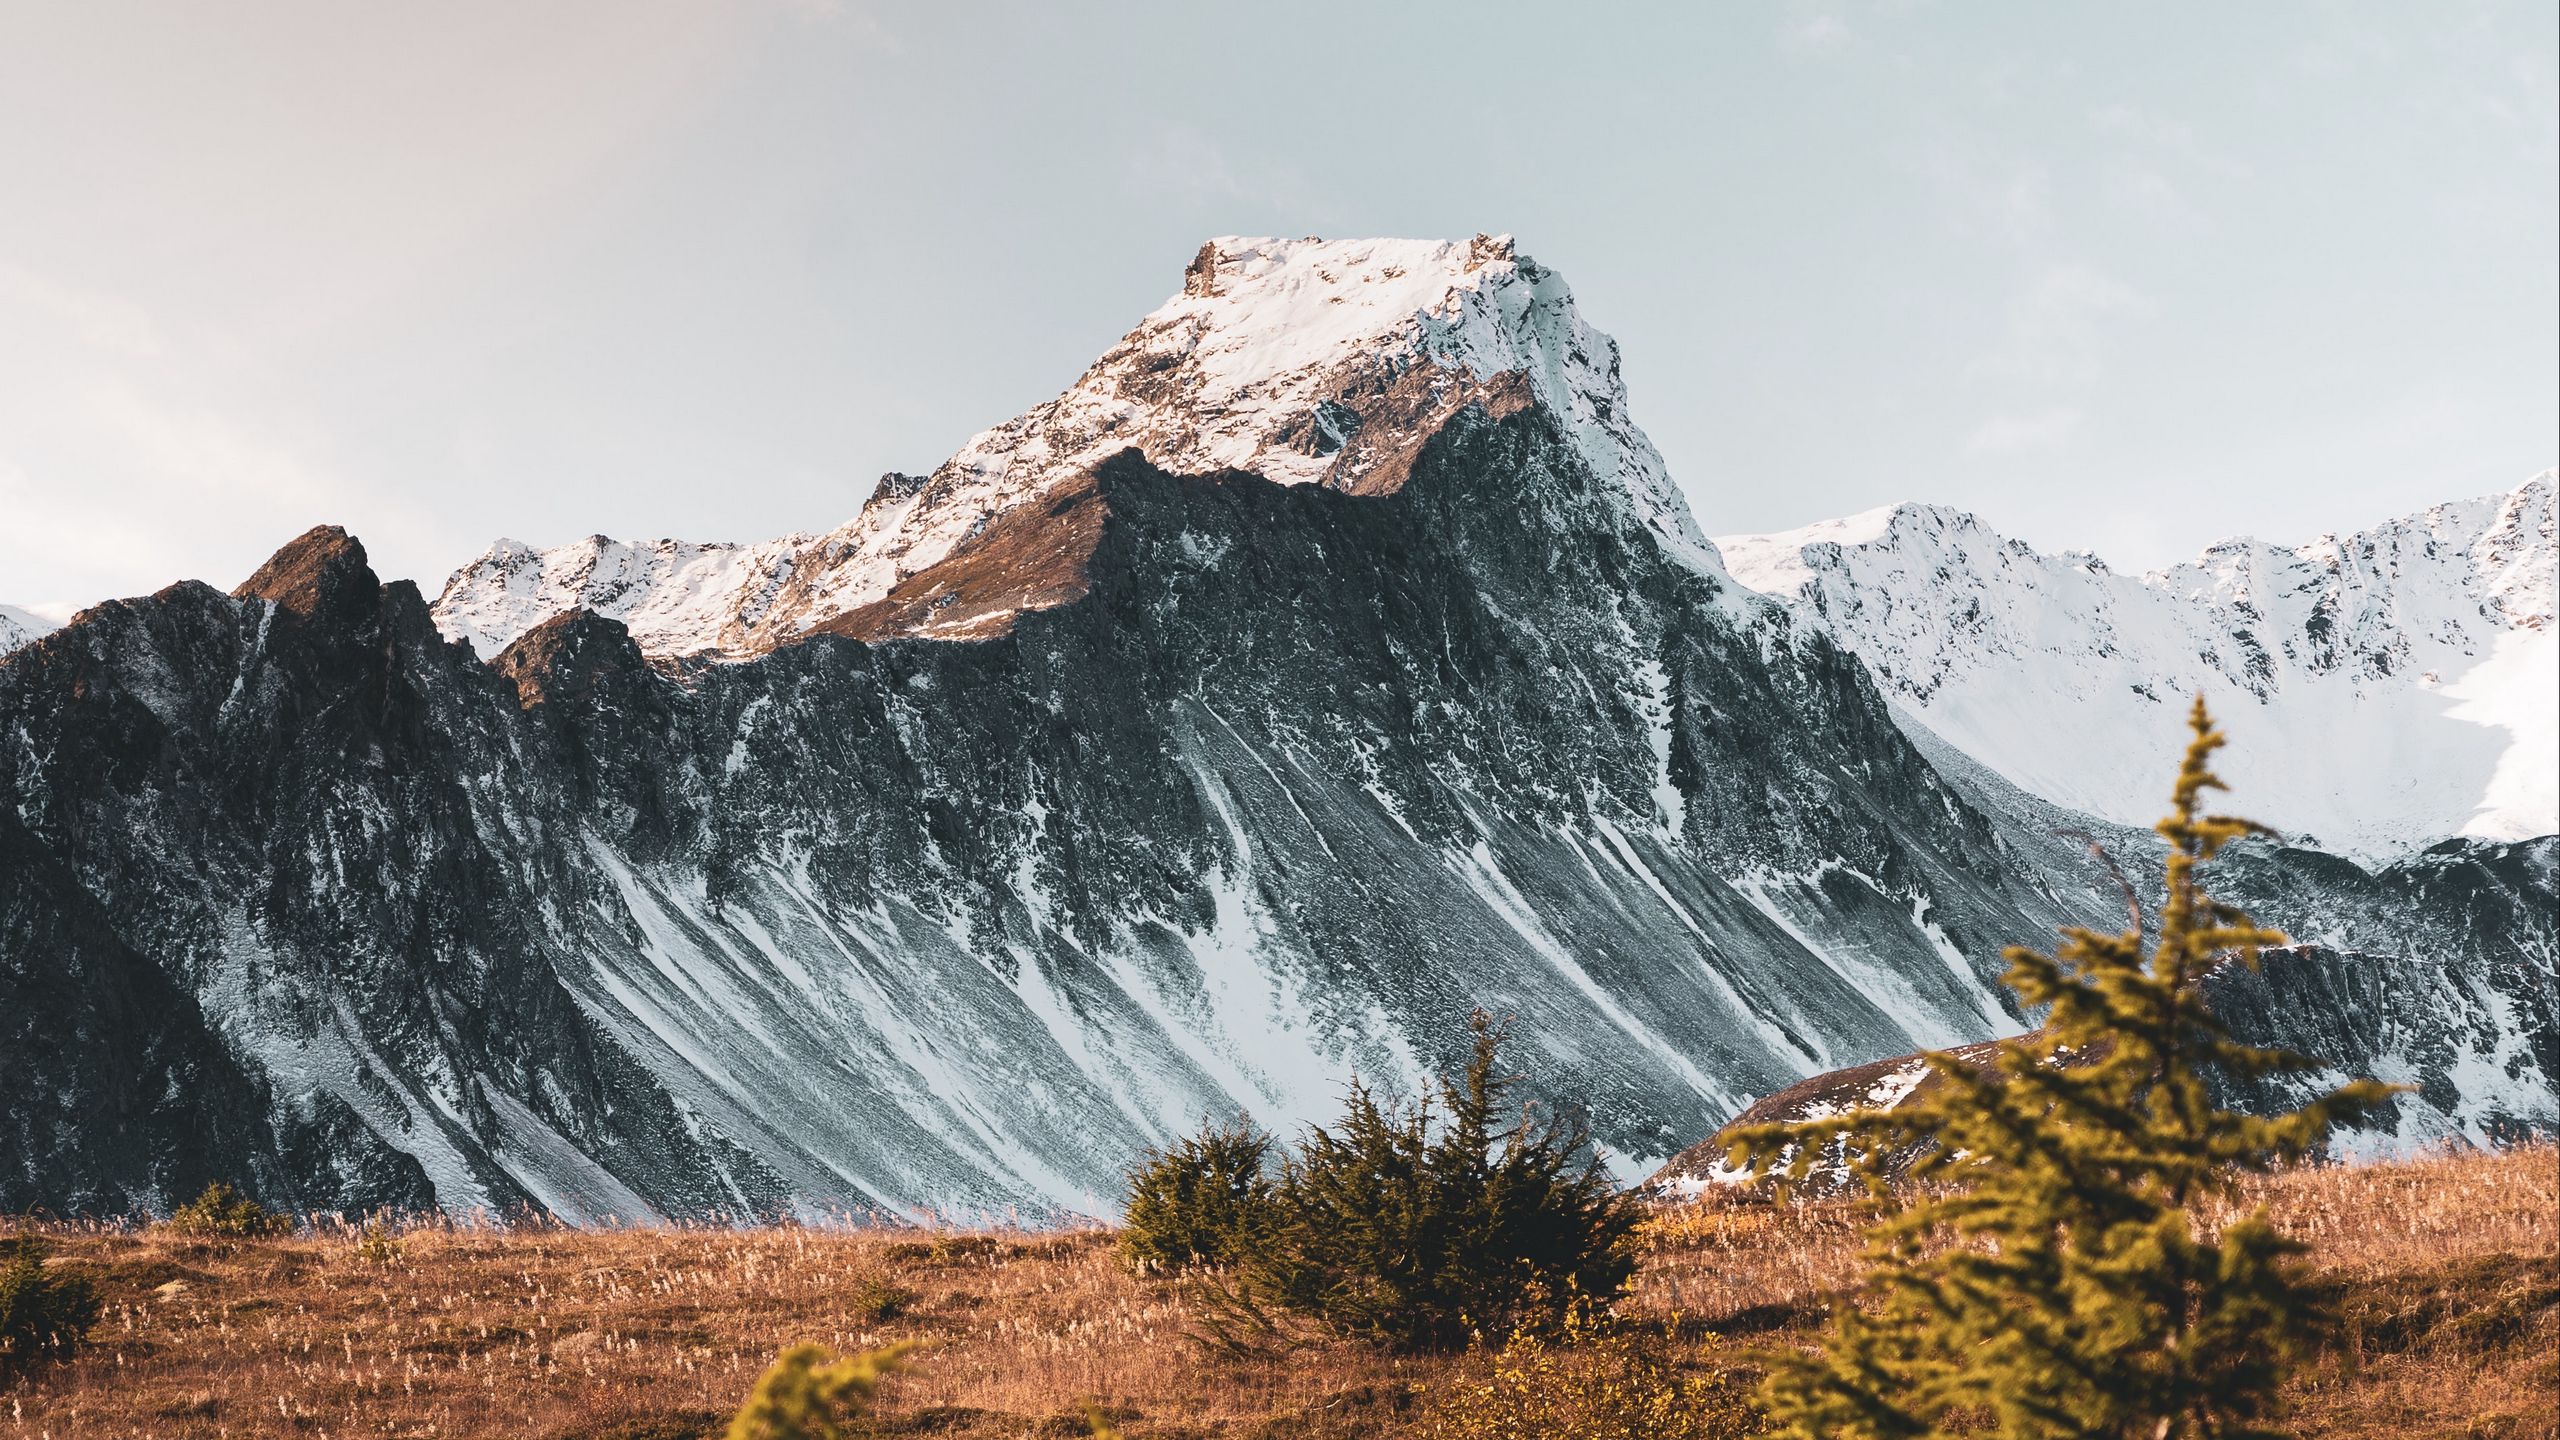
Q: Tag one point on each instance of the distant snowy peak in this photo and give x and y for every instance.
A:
(1305, 361)
(2364, 599)
(2383, 689)
(678, 598)
(20, 626)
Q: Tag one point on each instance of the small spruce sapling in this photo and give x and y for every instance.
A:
(43, 1311)
(812, 1393)
(2042, 1275)
(1204, 1200)
(223, 1213)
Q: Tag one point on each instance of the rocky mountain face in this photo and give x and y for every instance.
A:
(2383, 690)
(1235, 723)
(2475, 1038)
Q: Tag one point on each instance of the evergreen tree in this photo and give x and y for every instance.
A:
(2040, 1274)
(1428, 1225)
(1204, 1200)
(223, 1213)
(42, 1311)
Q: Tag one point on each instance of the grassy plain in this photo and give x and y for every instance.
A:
(2448, 1269)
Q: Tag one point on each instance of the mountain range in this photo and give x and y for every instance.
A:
(1334, 657)
(2383, 689)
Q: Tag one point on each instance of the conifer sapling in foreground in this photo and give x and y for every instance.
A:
(2041, 1276)
(812, 1393)
(43, 1311)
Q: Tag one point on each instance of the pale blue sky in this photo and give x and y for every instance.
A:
(2120, 277)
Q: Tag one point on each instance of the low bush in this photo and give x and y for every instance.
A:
(1437, 1224)
(874, 1300)
(378, 1242)
(42, 1311)
(1204, 1200)
(222, 1213)
(1594, 1380)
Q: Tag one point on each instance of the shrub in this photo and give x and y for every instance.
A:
(377, 1242)
(812, 1393)
(2046, 1278)
(1594, 1381)
(41, 1312)
(1431, 1225)
(223, 1213)
(874, 1300)
(1204, 1200)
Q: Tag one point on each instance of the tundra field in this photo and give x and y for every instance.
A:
(2447, 1269)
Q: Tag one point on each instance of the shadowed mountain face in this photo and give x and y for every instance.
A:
(1274, 783)
(2466, 1014)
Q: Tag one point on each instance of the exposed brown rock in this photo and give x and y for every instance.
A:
(1399, 413)
(1031, 557)
(1200, 277)
(321, 571)
(1833, 1092)
(565, 655)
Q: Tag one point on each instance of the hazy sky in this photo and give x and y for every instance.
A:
(2123, 277)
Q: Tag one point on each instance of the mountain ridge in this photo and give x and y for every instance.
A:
(1306, 361)
(2386, 688)
(20, 626)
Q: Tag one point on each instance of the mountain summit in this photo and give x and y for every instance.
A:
(1306, 362)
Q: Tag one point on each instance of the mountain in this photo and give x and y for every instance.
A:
(2383, 690)
(1303, 361)
(1088, 787)
(18, 627)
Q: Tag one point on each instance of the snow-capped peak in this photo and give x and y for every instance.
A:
(2383, 689)
(20, 626)
(1783, 562)
(1306, 361)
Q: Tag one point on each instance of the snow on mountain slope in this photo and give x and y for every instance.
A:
(2382, 689)
(1306, 361)
(677, 597)
(18, 626)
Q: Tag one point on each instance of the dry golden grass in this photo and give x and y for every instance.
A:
(2446, 1266)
